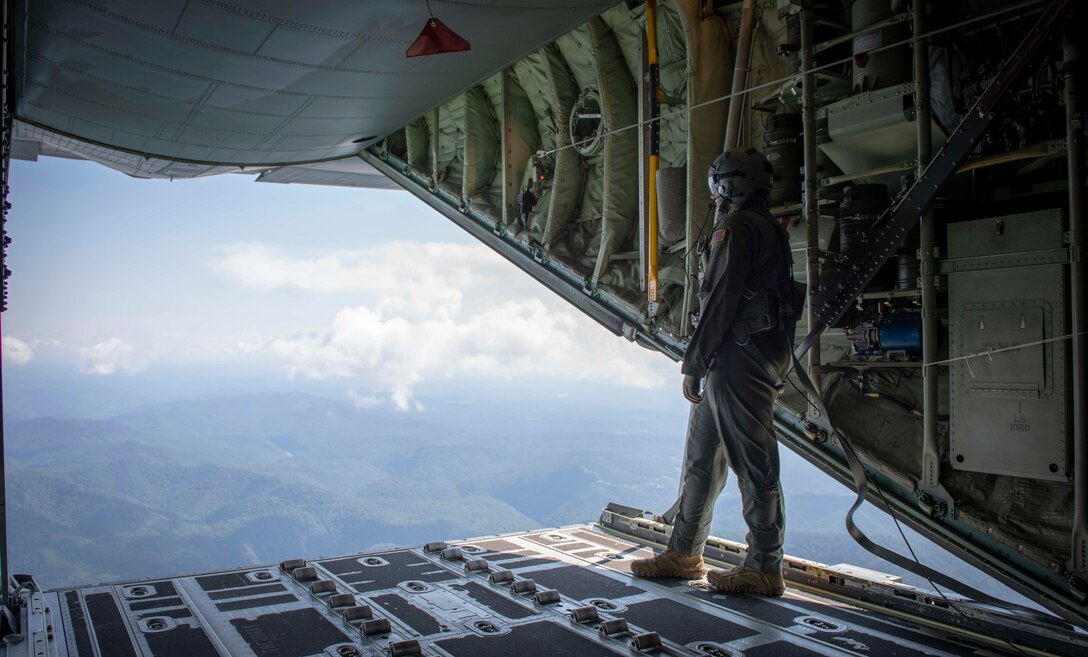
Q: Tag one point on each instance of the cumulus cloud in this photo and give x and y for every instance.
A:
(16, 351)
(513, 339)
(434, 311)
(414, 280)
(111, 356)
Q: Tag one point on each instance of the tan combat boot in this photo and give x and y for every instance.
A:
(670, 564)
(745, 579)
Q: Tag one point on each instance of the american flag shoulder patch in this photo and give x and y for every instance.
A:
(719, 236)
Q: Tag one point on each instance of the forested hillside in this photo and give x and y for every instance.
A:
(199, 484)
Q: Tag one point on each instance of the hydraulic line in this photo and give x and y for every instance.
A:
(895, 400)
(740, 74)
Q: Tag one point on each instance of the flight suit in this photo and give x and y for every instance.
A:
(743, 364)
(527, 201)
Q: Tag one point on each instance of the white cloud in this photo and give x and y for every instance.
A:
(250, 343)
(16, 351)
(111, 356)
(433, 311)
(363, 402)
(415, 280)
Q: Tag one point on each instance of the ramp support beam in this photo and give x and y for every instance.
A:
(1071, 72)
(931, 449)
(812, 187)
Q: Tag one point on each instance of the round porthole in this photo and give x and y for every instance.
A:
(587, 123)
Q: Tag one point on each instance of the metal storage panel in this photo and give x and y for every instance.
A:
(1008, 410)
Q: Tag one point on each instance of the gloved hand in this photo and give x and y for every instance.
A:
(691, 389)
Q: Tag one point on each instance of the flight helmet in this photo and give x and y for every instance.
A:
(736, 176)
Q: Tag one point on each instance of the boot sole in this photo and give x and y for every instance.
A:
(675, 574)
(749, 589)
(721, 582)
(752, 590)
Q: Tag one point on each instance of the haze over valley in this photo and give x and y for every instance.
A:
(108, 481)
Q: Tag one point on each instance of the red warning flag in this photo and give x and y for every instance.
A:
(435, 39)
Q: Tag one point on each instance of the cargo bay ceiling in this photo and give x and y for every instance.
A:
(547, 98)
(258, 82)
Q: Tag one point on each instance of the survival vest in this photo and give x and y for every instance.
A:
(773, 300)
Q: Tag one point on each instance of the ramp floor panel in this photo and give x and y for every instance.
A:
(684, 624)
(539, 639)
(411, 594)
(418, 619)
(496, 602)
(182, 641)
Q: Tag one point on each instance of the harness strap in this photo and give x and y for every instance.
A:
(861, 487)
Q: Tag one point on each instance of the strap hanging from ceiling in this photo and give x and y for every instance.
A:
(861, 487)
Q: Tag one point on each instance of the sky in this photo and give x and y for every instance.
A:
(368, 291)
